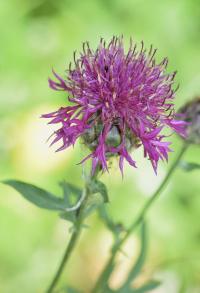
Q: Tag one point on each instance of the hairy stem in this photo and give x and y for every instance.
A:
(101, 282)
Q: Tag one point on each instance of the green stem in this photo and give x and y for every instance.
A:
(104, 275)
(70, 246)
(66, 256)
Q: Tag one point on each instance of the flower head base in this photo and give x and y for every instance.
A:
(191, 114)
(119, 101)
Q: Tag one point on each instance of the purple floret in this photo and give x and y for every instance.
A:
(109, 85)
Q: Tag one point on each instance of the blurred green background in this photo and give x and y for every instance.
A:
(36, 36)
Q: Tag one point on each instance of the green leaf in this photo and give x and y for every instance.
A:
(46, 200)
(93, 202)
(37, 196)
(97, 196)
(97, 186)
(147, 287)
(71, 193)
(72, 197)
(69, 216)
(187, 166)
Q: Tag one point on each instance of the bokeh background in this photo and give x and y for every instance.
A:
(36, 36)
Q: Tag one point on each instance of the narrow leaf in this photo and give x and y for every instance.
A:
(94, 201)
(71, 193)
(37, 195)
(68, 216)
(187, 166)
(97, 186)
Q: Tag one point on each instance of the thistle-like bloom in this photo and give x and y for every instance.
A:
(119, 100)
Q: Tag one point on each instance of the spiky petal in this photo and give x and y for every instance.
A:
(113, 88)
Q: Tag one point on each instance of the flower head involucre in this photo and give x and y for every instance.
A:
(118, 101)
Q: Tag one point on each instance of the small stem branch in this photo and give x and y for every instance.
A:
(102, 279)
(72, 243)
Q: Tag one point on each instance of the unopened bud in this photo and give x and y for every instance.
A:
(191, 114)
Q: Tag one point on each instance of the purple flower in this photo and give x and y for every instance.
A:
(118, 101)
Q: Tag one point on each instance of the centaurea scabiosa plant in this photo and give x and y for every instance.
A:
(117, 100)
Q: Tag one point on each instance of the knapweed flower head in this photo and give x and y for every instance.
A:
(190, 113)
(119, 100)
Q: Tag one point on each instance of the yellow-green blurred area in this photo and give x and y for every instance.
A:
(36, 36)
